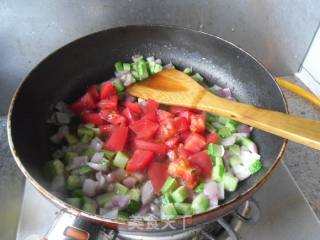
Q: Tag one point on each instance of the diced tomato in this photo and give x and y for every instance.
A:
(158, 173)
(173, 142)
(93, 91)
(190, 178)
(172, 154)
(106, 129)
(152, 105)
(144, 128)
(117, 140)
(177, 109)
(110, 103)
(130, 115)
(93, 118)
(163, 115)
(195, 143)
(212, 138)
(181, 124)
(182, 152)
(86, 102)
(197, 123)
(107, 89)
(181, 168)
(186, 115)
(113, 117)
(140, 160)
(158, 148)
(152, 116)
(166, 129)
(185, 135)
(134, 107)
(150, 110)
(203, 161)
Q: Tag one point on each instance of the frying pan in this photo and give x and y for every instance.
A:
(66, 73)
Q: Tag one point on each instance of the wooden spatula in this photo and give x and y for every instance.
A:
(173, 87)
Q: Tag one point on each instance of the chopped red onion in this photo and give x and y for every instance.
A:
(97, 157)
(110, 187)
(120, 174)
(248, 157)
(58, 183)
(229, 141)
(144, 210)
(241, 172)
(225, 92)
(139, 176)
(120, 202)
(58, 137)
(240, 135)
(97, 166)
(245, 129)
(211, 190)
(158, 61)
(89, 187)
(129, 182)
(120, 74)
(96, 144)
(113, 214)
(147, 192)
(150, 59)
(216, 87)
(78, 148)
(226, 155)
(155, 209)
(127, 79)
(77, 162)
(221, 190)
(130, 98)
(169, 66)
(111, 177)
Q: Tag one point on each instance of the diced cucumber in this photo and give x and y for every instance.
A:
(180, 194)
(108, 154)
(89, 207)
(241, 172)
(76, 202)
(222, 120)
(89, 152)
(137, 58)
(123, 214)
(230, 182)
(197, 77)
(232, 125)
(183, 208)
(234, 161)
(73, 182)
(68, 156)
(120, 189)
(188, 70)
(85, 169)
(224, 132)
(255, 166)
(118, 66)
(133, 206)
(199, 188)
(249, 144)
(120, 160)
(218, 173)
(169, 211)
(134, 194)
(210, 127)
(85, 132)
(104, 198)
(234, 149)
(77, 193)
(118, 86)
(54, 168)
(200, 203)
(210, 118)
(157, 68)
(71, 139)
(126, 66)
(142, 70)
(215, 150)
(169, 185)
(105, 162)
(166, 198)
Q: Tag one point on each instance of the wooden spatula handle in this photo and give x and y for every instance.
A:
(294, 128)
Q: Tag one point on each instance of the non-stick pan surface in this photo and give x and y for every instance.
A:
(66, 73)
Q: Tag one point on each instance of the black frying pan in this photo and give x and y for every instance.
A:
(66, 73)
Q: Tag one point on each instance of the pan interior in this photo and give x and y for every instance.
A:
(65, 74)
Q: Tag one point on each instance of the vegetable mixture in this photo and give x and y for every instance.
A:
(121, 157)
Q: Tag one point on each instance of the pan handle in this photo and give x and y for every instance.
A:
(68, 226)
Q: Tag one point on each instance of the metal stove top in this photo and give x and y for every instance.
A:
(285, 214)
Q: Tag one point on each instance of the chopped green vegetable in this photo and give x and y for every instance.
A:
(169, 185)
(77, 193)
(142, 70)
(230, 182)
(169, 211)
(137, 58)
(76, 202)
(108, 154)
(255, 166)
(73, 182)
(210, 118)
(85, 169)
(210, 127)
(123, 214)
(200, 203)
(86, 134)
(188, 70)
(133, 206)
(180, 194)
(234, 149)
(118, 66)
(232, 125)
(126, 66)
(68, 156)
(222, 120)
(224, 132)
(104, 198)
(134, 194)
(89, 152)
(120, 189)
(197, 77)
(119, 86)
(183, 208)
(234, 161)
(120, 160)
(105, 162)
(199, 188)
(217, 173)
(89, 207)
(71, 139)
(166, 198)
(53, 168)
(157, 68)
(215, 150)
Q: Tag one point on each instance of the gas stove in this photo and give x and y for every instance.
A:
(283, 214)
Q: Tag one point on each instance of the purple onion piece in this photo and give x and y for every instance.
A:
(120, 202)
(245, 129)
(211, 190)
(97, 166)
(168, 66)
(120, 174)
(229, 141)
(77, 162)
(147, 192)
(155, 209)
(90, 187)
(144, 210)
(111, 177)
(97, 157)
(139, 176)
(110, 187)
(130, 98)
(113, 214)
(129, 182)
(96, 144)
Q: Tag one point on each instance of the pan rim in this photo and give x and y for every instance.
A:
(116, 223)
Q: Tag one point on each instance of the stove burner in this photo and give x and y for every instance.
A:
(223, 228)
